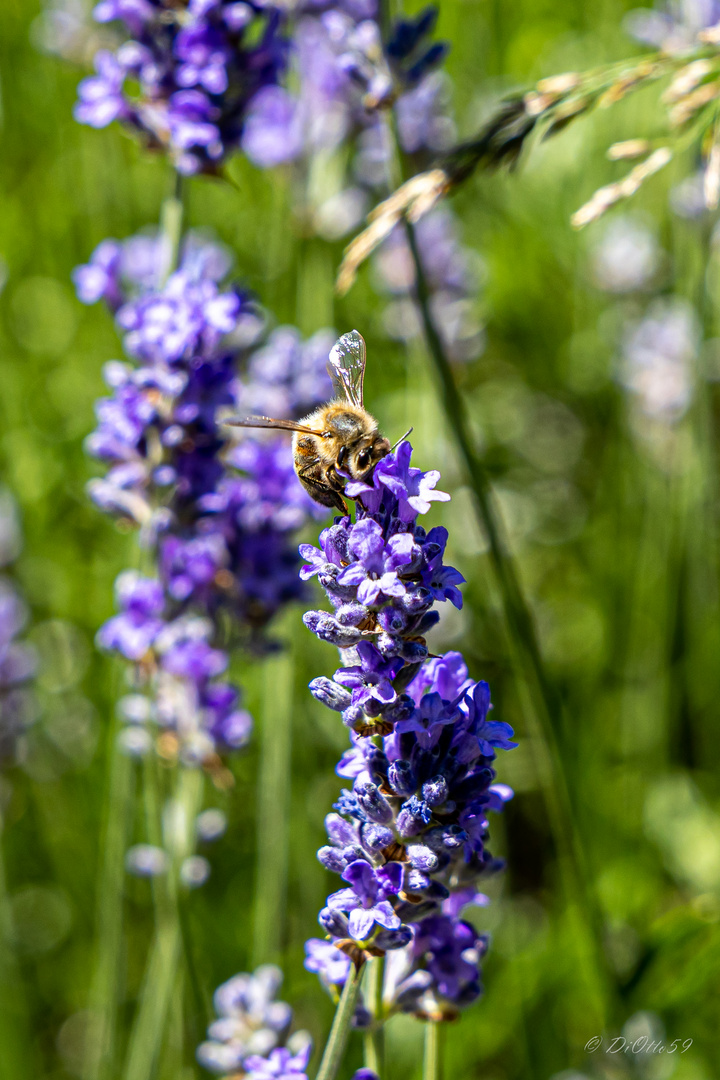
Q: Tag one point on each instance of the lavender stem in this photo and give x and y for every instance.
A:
(14, 1037)
(104, 992)
(161, 973)
(374, 1047)
(272, 808)
(432, 1060)
(335, 1046)
(171, 219)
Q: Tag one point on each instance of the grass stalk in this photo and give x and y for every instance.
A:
(432, 1057)
(273, 807)
(335, 1046)
(374, 1036)
(15, 1058)
(161, 973)
(104, 998)
(541, 703)
(171, 219)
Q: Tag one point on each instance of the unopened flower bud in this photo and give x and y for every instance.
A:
(334, 922)
(402, 778)
(330, 693)
(376, 837)
(373, 803)
(435, 791)
(422, 858)
(329, 629)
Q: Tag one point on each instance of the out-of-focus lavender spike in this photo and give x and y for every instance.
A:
(18, 661)
(183, 78)
(252, 1031)
(218, 515)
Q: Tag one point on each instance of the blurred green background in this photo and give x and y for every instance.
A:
(613, 521)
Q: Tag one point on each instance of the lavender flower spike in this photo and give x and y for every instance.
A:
(409, 838)
(252, 1032)
(17, 659)
(195, 68)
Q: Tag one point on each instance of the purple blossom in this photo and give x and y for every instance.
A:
(371, 679)
(280, 1064)
(185, 318)
(366, 901)
(376, 565)
(447, 674)
(101, 97)
(422, 116)
(218, 516)
(273, 133)
(98, 279)
(343, 74)
(441, 580)
(252, 1026)
(674, 26)
(413, 488)
(185, 651)
(229, 725)
(453, 950)
(18, 661)
(491, 734)
(382, 575)
(431, 714)
(196, 71)
(411, 838)
(133, 631)
(327, 961)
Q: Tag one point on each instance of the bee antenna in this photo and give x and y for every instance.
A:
(401, 439)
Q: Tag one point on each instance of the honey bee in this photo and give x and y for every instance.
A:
(338, 440)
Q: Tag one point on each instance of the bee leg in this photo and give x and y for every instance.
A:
(330, 497)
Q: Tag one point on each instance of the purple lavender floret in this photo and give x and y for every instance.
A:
(672, 26)
(197, 68)
(287, 376)
(17, 658)
(450, 951)
(327, 961)
(252, 1032)
(141, 601)
(345, 74)
(410, 838)
(280, 1064)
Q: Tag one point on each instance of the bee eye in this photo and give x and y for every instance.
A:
(363, 459)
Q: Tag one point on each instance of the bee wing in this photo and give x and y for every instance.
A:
(346, 367)
(268, 422)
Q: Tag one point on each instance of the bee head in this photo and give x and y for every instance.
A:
(366, 455)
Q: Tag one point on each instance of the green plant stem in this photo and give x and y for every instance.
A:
(99, 1061)
(374, 1036)
(335, 1046)
(171, 219)
(540, 700)
(149, 1027)
(160, 977)
(15, 1046)
(273, 804)
(516, 608)
(432, 1059)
